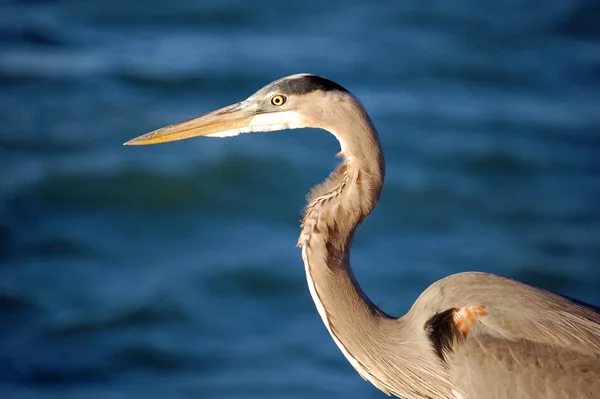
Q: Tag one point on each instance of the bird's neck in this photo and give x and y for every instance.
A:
(385, 351)
(335, 209)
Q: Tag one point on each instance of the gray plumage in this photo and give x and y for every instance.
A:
(469, 335)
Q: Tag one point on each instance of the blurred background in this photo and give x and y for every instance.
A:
(171, 271)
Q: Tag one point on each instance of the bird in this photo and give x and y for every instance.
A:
(470, 335)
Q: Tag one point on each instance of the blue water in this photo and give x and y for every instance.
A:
(170, 271)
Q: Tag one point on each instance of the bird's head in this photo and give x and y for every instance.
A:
(292, 102)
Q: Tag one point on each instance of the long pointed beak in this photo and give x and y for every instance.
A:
(228, 121)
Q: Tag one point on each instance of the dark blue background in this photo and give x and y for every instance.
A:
(170, 271)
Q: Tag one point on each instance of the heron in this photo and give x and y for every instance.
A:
(471, 335)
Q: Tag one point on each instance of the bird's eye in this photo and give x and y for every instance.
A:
(278, 100)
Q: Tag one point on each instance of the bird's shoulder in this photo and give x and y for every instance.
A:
(478, 323)
(510, 309)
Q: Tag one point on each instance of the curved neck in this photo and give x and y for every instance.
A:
(384, 350)
(339, 204)
(335, 209)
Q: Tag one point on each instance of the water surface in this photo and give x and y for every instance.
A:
(170, 271)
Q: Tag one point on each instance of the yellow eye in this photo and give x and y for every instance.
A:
(278, 100)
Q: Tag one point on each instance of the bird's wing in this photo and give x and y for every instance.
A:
(505, 339)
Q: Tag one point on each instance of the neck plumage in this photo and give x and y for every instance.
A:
(388, 352)
(335, 209)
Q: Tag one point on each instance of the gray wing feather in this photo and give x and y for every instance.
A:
(531, 344)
